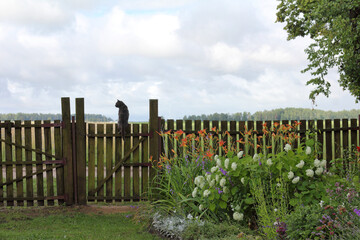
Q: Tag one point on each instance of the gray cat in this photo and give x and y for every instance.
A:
(123, 117)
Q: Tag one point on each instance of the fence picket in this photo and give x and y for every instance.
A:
(19, 158)
(100, 161)
(1, 170)
(49, 172)
(109, 160)
(144, 159)
(118, 174)
(28, 157)
(91, 160)
(127, 175)
(136, 169)
(328, 141)
(60, 170)
(39, 166)
(9, 171)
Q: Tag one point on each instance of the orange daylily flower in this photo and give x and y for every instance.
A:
(179, 132)
(209, 154)
(221, 142)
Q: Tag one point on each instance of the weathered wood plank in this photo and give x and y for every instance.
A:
(1, 169)
(100, 159)
(250, 149)
(49, 172)
(118, 174)
(328, 142)
(337, 143)
(320, 138)
(28, 155)
(9, 169)
(80, 150)
(127, 171)
(67, 151)
(109, 160)
(19, 158)
(39, 167)
(60, 188)
(91, 160)
(145, 159)
(136, 159)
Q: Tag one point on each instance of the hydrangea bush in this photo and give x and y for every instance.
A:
(267, 182)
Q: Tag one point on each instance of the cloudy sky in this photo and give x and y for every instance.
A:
(195, 56)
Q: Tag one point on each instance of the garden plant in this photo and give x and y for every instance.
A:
(271, 184)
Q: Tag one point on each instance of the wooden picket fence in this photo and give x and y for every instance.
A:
(73, 162)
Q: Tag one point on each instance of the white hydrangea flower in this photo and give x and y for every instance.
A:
(208, 177)
(301, 164)
(206, 193)
(269, 162)
(238, 216)
(296, 180)
(200, 181)
(323, 163)
(218, 162)
(201, 207)
(217, 178)
(319, 171)
(317, 163)
(290, 175)
(309, 172)
(242, 180)
(216, 157)
(256, 157)
(212, 183)
(222, 182)
(287, 147)
(226, 163)
(308, 150)
(214, 169)
(234, 166)
(225, 189)
(194, 192)
(240, 154)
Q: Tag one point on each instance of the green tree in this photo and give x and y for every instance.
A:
(334, 25)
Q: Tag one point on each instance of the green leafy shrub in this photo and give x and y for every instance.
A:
(302, 222)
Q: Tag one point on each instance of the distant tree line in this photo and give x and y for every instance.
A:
(50, 116)
(277, 114)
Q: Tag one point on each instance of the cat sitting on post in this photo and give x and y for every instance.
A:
(123, 117)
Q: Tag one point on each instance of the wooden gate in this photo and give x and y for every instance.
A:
(29, 152)
(120, 170)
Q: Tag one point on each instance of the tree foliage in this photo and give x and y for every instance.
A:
(278, 114)
(50, 116)
(334, 25)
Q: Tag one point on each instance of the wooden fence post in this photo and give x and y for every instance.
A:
(67, 151)
(80, 151)
(154, 139)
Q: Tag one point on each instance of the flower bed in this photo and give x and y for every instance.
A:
(267, 191)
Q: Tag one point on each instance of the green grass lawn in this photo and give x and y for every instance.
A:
(67, 223)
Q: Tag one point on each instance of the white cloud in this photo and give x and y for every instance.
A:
(194, 56)
(38, 13)
(225, 57)
(153, 35)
